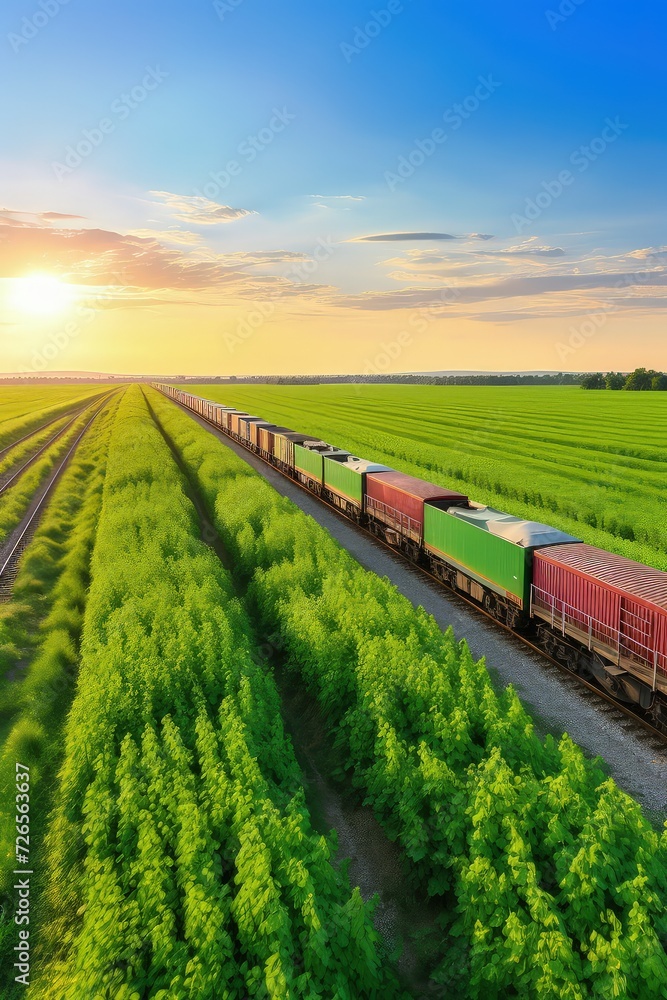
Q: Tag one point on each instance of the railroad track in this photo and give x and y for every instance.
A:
(36, 430)
(621, 710)
(8, 478)
(19, 540)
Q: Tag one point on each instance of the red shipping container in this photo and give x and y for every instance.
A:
(398, 501)
(610, 603)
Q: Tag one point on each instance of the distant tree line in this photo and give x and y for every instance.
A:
(561, 378)
(558, 378)
(640, 380)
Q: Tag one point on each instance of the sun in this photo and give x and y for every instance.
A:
(40, 294)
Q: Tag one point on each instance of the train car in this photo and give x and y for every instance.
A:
(606, 615)
(206, 408)
(283, 448)
(245, 424)
(394, 505)
(255, 429)
(308, 463)
(220, 415)
(331, 458)
(234, 421)
(227, 419)
(487, 554)
(344, 483)
(267, 440)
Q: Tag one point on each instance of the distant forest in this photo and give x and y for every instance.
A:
(640, 380)
(561, 378)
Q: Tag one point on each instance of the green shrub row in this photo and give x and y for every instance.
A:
(182, 862)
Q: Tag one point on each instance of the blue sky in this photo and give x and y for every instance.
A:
(360, 87)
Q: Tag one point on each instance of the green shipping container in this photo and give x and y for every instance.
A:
(348, 479)
(494, 548)
(309, 462)
(344, 481)
(283, 445)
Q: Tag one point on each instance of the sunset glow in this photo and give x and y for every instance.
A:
(40, 295)
(257, 188)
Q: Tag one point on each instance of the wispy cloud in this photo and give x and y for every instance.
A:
(332, 202)
(624, 284)
(181, 237)
(57, 216)
(338, 197)
(149, 266)
(197, 210)
(650, 253)
(524, 250)
(411, 237)
(29, 220)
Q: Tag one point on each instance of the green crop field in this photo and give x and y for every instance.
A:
(19, 400)
(591, 463)
(25, 407)
(169, 599)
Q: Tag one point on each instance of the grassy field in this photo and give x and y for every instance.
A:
(18, 400)
(590, 463)
(24, 407)
(172, 851)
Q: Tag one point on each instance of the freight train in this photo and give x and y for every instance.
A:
(601, 615)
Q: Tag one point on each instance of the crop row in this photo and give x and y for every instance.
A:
(181, 858)
(557, 882)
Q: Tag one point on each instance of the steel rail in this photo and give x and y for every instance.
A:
(14, 475)
(30, 520)
(26, 437)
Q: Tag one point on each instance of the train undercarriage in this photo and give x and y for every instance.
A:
(622, 685)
